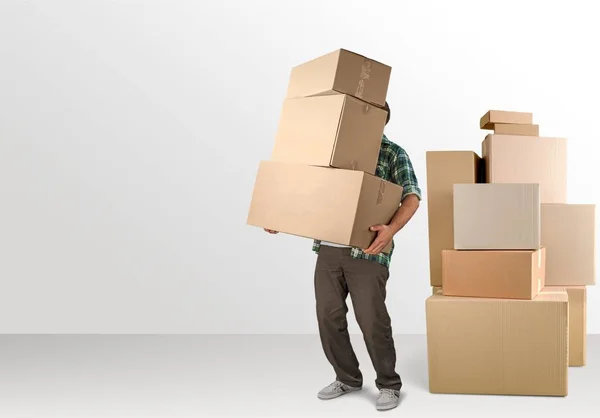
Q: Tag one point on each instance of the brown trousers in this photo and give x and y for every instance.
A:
(336, 275)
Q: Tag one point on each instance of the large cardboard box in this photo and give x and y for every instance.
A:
(501, 216)
(338, 131)
(327, 204)
(341, 71)
(493, 274)
(528, 159)
(577, 324)
(569, 235)
(498, 346)
(514, 129)
(494, 117)
(444, 169)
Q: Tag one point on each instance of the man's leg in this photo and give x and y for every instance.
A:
(366, 283)
(331, 292)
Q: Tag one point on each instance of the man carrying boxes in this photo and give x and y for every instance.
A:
(336, 178)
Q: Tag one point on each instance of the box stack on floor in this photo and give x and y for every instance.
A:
(320, 182)
(510, 260)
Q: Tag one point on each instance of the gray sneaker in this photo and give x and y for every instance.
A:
(336, 389)
(388, 399)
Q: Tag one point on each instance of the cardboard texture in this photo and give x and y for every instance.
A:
(528, 159)
(344, 72)
(444, 169)
(493, 274)
(514, 129)
(326, 204)
(338, 131)
(498, 346)
(577, 323)
(500, 216)
(568, 232)
(493, 117)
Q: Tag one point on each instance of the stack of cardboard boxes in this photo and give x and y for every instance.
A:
(320, 181)
(509, 262)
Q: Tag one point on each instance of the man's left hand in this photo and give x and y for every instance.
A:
(383, 238)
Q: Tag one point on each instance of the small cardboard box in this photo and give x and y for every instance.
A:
(491, 118)
(514, 129)
(501, 216)
(493, 274)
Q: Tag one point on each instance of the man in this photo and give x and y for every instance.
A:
(363, 273)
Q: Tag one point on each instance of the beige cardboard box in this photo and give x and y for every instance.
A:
(326, 204)
(514, 129)
(444, 169)
(493, 117)
(338, 131)
(569, 235)
(344, 72)
(577, 323)
(528, 159)
(493, 274)
(500, 216)
(498, 346)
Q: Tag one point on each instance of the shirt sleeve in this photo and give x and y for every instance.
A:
(403, 174)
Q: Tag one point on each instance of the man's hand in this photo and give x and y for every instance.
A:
(383, 238)
(270, 231)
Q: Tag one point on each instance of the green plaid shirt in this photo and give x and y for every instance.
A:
(394, 166)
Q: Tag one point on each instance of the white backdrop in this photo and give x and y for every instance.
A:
(130, 135)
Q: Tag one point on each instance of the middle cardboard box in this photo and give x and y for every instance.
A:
(337, 130)
(497, 246)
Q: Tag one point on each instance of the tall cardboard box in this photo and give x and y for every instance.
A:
(444, 169)
(341, 71)
(528, 159)
(498, 346)
(568, 232)
(500, 216)
(493, 274)
(577, 324)
(337, 130)
(326, 204)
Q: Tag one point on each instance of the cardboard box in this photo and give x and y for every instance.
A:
(528, 159)
(493, 274)
(493, 117)
(338, 131)
(344, 72)
(569, 235)
(444, 169)
(498, 346)
(514, 129)
(326, 204)
(436, 289)
(501, 216)
(577, 324)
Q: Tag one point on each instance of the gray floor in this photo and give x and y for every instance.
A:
(243, 376)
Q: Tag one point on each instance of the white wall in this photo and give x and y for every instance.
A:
(130, 134)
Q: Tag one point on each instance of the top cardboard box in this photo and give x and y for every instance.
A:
(344, 72)
(491, 118)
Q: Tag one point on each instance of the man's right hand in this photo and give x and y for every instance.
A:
(270, 231)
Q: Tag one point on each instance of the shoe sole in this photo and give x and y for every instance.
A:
(328, 397)
(386, 407)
